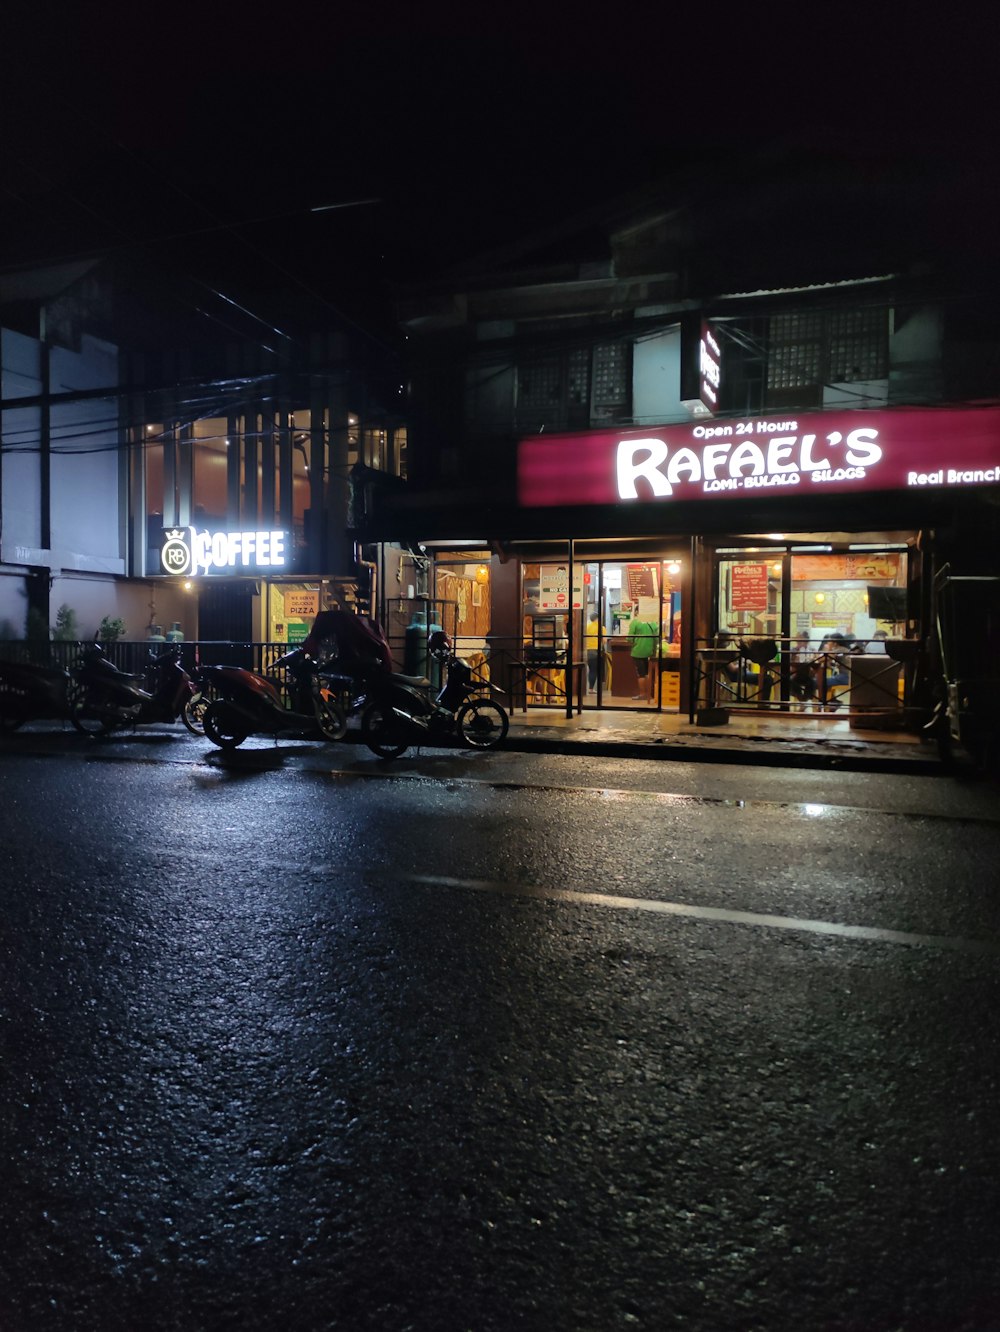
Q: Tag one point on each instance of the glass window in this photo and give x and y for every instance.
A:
(399, 442)
(462, 600)
(808, 348)
(830, 594)
(749, 591)
(374, 449)
(152, 462)
(210, 449)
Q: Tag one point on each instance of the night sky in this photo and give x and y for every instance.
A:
(200, 137)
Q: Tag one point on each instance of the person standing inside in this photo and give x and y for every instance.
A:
(592, 643)
(642, 636)
(803, 677)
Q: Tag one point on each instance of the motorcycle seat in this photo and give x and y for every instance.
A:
(419, 681)
(110, 669)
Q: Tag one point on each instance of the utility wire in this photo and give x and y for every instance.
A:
(222, 225)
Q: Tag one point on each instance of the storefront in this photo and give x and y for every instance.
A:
(243, 586)
(694, 565)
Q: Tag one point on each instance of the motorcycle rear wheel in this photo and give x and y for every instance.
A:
(380, 730)
(482, 723)
(220, 728)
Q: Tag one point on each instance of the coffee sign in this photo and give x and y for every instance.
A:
(188, 552)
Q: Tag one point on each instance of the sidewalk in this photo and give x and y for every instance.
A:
(783, 740)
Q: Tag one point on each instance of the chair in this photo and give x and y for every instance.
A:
(762, 652)
(543, 658)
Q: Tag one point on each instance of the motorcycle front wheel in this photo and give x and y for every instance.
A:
(482, 723)
(193, 713)
(8, 720)
(220, 726)
(329, 718)
(381, 732)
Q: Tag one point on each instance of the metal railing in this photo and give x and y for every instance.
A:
(777, 674)
(753, 674)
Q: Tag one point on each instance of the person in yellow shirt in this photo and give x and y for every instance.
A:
(592, 642)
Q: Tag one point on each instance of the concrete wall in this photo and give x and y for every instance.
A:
(656, 379)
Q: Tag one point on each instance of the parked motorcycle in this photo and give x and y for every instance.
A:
(246, 703)
(33, 693)
(197, 705)
(402, 711)
(107, 699)
(966, 720)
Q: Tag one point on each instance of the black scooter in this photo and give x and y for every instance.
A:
(33, 693)
(106, 699)
(403, 711)
(246, 703)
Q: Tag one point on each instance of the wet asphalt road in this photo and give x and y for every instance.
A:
(303, 1041)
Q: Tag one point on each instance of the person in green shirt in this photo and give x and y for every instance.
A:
(642, 635)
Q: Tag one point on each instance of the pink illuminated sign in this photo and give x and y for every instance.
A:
(818, 452)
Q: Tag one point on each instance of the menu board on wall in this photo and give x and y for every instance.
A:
(832, 568)
(749, 587)
(642, 581)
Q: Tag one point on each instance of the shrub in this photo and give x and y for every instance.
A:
(110, 630)
(66, 629)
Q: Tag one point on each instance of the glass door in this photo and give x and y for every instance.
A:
(632, 633)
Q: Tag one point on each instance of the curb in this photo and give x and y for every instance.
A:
(748, 754)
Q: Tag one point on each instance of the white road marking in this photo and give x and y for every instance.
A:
(610, 901)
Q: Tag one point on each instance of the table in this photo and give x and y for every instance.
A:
(874, 685)
(713, 663)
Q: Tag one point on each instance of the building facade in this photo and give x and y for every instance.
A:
(759, 409)
(205, 484)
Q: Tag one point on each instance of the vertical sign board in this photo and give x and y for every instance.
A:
(709, 368)
(749, 587)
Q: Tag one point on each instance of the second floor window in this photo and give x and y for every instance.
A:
(571, 389)
(808, 349)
